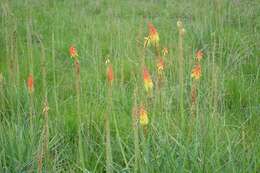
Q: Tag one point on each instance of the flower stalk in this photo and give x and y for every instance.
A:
(181, 69)
(110, 79)
(74, 55)
(44, 145)
(135, 131)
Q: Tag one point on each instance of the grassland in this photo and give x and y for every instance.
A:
(221, 135)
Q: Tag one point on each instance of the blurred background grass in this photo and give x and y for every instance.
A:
(226, 137)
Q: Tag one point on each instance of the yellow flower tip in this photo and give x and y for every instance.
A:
(107, 61)
(143, 116)
(45, 109)
(146, 41)
(196, 72)
(155, 40)
(160, 66)
(165, 51)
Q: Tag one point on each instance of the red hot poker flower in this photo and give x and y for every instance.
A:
(153, 34)
(148, 83)
(160, 65)
(110, 74)
(196, 72)
(199, 55)
(73, 52)
(143, 117)
(165, 51)
(30, 83)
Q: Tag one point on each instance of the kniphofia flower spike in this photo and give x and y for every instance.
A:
(165, 51)
(30, 83)
(73, 52)
(143, 116)
(110, 74)
(199, 55)
(196, 72)
(160, 65)
(153, 35)
(148, 83)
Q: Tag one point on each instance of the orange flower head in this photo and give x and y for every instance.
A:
(30, 83)
(199, 55)
(73, 52)
(160, 66)
(143, 117)
(196, 72)
(110, 74)
(153, 34)
(148, 83)
(165, 51)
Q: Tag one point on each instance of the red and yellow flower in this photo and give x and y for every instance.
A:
(199, 55)
(160, 65)
(196, 72)
(148, 83)
(153, 35)
(73, 52)
(143, 116)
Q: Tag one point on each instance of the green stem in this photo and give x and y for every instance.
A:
(109, 159)
(181, 76)
(136, 134)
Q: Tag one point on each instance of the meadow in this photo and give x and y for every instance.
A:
(130, 86)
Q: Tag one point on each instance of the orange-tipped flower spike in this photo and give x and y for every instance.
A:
(143, 117)
(110, 74)
(153, 34)
(73, 52)
(196, 72)
(148, 83)
(30, 83)
(199, 55)
(160, 65)
(165, 51)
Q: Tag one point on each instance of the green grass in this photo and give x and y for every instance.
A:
(226, 132)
